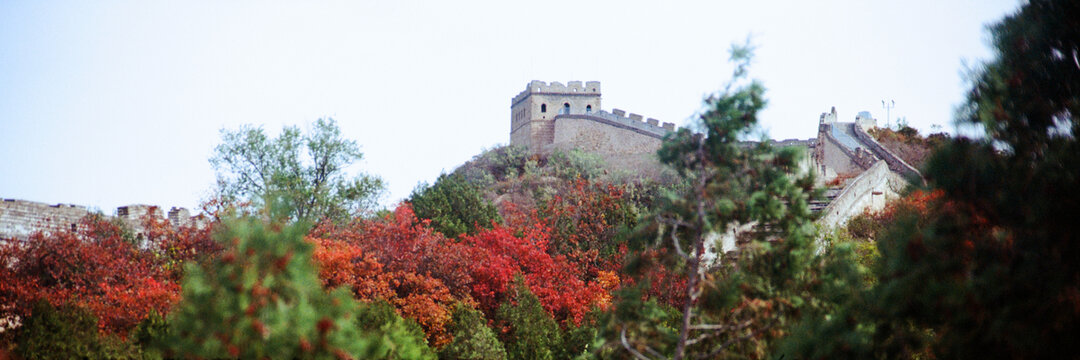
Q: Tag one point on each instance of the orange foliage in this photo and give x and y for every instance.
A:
(422, 273)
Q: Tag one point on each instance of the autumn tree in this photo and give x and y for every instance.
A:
(307, 171)
(585, 221)
(98, 267)
(989, 269)
(400, 260)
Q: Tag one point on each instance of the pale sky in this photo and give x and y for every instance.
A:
(109, 103)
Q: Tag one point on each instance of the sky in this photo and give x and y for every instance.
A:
(109, 103)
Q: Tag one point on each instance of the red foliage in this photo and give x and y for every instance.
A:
(555, 281)
(179, 245)
(402, 260)
(396, 259)
(919, 201)
(96, 268)
(584, 222)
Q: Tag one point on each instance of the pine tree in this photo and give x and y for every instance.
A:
(473, 339)
(262, 299)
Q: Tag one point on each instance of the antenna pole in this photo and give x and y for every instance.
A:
(888, 106)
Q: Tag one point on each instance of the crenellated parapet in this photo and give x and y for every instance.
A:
(619, 118)
(557, 88)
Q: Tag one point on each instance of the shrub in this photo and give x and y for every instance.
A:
(67, 332)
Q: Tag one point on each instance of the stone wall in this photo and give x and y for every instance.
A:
(838, 160)
(20, 218)
(870, 190)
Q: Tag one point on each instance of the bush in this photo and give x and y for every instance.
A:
(575, 164)
(67, 332)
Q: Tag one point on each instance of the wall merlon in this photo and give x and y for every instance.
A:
(555, 87)
(669, 126)
(653, 122)
(636, 117)
(618, 112)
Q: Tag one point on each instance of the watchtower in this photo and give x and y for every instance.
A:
(533, 111)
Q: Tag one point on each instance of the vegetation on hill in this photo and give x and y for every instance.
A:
(526, 256)
(908, 144)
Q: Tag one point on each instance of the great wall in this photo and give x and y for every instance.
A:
(550, 116)
(20, 218)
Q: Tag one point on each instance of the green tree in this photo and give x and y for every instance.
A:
(307, 171)
(453, 205)
(532, 332)
(736, 189)
(67, 332)
(405, 338)
(473, 339)
(989, 269)
(262, 298)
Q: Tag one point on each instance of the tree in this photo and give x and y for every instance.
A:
(530, 333)
(404, 337)
(453, 205)
(398, 260)
(67, 332)
(473, 339)
(306, 171)
(989, 269)
(262, 298)
(733, 186)
(98, 268)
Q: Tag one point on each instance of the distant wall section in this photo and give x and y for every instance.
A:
(20, 218)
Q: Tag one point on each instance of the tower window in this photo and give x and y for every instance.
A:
(543, 107)
(566, 108)
(588, 108)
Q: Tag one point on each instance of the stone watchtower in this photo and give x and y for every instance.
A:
(533, 111)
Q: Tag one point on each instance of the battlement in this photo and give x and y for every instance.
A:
(571, 88)
(619, 117)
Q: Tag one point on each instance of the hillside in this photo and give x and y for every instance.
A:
(908, 144)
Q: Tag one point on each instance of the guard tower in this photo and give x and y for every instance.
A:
(533, 111)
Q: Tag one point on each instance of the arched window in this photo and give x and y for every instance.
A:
(543, 107)
(588, 109)
(565, 108)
